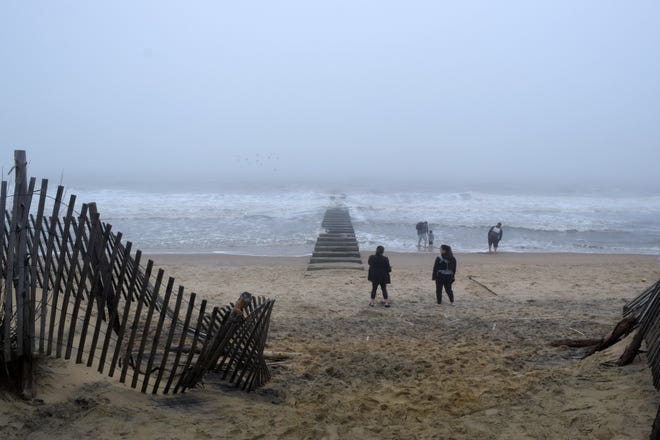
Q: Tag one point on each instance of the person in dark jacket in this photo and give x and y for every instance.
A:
(444, 273)
(494, 236)
(379, 274)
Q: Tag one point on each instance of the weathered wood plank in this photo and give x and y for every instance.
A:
(96, 239)
(182, 341)
(22, 292)
(6, 340)
(198, 369)
(251, 351)
(9, 281)
(181, 383)
(34, 259)
(107, 295)
(136, 321)
(23, 192)
(113, 321)
(47, 266)
(147, 325)
(159, 327)
(60, 273)
(70, 286)
(127, 308)
(170, 337)
(3, 221)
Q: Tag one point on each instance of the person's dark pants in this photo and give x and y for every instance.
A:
(374, 286)
(446, 283)
(493, 242)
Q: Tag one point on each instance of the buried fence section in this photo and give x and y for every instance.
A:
(646, 308)
(71, 288)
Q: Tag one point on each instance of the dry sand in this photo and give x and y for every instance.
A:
(480, 369)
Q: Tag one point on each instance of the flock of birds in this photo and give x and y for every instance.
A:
(259, 160)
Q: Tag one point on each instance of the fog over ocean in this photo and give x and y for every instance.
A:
(286, 221)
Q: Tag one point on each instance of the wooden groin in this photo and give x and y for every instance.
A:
(336, 247)
(72, 289)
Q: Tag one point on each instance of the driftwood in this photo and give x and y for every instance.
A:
(279, 355)
(575, 342)
(632, 350)
(623, 328)
(471, 278)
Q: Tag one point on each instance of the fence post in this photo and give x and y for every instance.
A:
(25, 307)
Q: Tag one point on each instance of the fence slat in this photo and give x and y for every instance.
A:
(3, 221)
(197, 369)
(170, 337)
(22, 313)
(107, 296)
(34, 259)
(159, 327)
(5, 257)
(182, 341)
(47, 267)
(184, 373)
(96, 239)
(147, 324)
(136, 321)
(70, 285)
(113, 321)
(127, 308)
(9, 282)
(60, 273)
(250, 349)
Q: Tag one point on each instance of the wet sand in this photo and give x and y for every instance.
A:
(480, 369)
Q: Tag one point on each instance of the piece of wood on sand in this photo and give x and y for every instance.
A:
(622, 329)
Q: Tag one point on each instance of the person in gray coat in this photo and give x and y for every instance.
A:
(444, 273)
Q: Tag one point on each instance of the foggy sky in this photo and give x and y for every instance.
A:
(499, 92)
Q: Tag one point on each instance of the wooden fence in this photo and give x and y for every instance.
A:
(71, 288)
(646, 308)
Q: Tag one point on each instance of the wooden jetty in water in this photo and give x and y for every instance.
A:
(71, 288)
(336, 247)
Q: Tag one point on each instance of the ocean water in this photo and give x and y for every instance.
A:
(287, 221)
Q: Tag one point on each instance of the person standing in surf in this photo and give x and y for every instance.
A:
(421, 227)
(379, 274)
(444, 273)
(494, 237)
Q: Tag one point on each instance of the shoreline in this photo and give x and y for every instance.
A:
(412, 259)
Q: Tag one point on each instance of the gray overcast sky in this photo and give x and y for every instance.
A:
(493, 91)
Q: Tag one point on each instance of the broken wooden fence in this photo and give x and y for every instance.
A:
(71, 288)
(646, 308)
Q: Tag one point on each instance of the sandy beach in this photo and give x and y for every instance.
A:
(483, 368)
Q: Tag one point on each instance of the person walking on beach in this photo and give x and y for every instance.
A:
(431, 237)
(444, 273)
(379, 274)
(494, 236)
